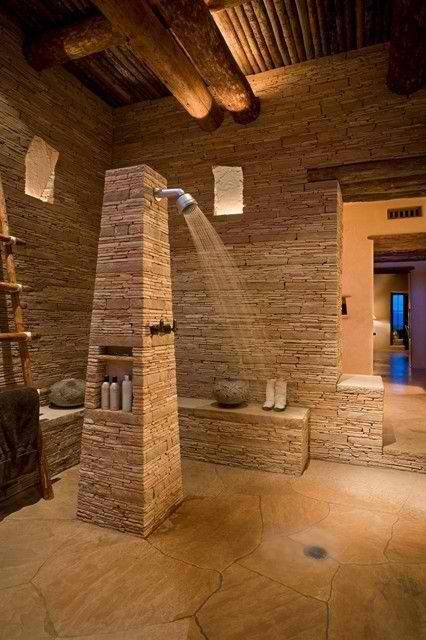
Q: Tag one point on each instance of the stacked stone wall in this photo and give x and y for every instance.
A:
(287, 243)
(59, 261)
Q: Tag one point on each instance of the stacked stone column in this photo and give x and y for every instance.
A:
(130, 475)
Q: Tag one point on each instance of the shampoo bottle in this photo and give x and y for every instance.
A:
(127, 393)
(114, 395)
(105, 393)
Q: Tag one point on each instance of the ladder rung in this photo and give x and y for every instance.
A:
(11, 239)
(9, 287)
(18, 336)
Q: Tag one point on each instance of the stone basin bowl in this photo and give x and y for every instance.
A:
(231, 392)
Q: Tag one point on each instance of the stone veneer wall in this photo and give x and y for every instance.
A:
(288, 240)
(59, 261)
(130, 474)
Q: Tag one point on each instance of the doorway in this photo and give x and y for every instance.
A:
(399, 319)
(400, 351)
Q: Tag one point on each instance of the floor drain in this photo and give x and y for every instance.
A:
(318, 553)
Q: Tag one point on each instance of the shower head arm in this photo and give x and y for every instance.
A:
(183, 200)
(159, 194)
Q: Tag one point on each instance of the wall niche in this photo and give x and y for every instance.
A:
(40, 164)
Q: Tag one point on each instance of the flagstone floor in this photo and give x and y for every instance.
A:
(338, 554)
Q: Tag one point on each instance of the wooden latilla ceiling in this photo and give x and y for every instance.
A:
(126, 51)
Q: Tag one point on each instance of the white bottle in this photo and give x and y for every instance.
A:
(127, 393)
(105, 393)
(114, 395)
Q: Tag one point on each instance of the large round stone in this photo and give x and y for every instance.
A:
(231, 392)
(67, 393)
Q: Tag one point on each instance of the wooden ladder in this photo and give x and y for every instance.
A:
(20, 336)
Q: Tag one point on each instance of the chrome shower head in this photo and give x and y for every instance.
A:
(183, 200)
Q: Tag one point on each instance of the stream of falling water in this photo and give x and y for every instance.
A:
(228, 296)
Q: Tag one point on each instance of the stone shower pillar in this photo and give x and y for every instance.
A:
(130, 474)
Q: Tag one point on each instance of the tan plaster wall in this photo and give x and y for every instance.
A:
(361, 220)
(59, 260)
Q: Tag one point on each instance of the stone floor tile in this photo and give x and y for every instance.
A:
(284, 560)
(350, 535)
(383, 490)
(408, 543)
(211, 532)
(415, 506)
(23, 615)
(180, 630)
(252, 607)
(378, 602)
(26, 544)
(107, 585)
(291, 512)
(200, 478)
(252, 482)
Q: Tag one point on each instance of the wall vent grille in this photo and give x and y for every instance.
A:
(408, 212)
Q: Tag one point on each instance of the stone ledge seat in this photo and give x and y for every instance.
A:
(244, 436)
(61, 429)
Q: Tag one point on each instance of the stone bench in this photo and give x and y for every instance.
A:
(245, 436)
(61, 430)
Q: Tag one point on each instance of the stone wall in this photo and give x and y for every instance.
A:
(61, 429)
(130, 474)
(59, 260)
(288, 240)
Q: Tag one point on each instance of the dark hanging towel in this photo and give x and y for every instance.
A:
(19, 425)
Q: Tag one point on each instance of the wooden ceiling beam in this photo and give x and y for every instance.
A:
(407, 50)
(82, 38)
(385, 189)
(372, 170)
(151, 40)
(193, 26)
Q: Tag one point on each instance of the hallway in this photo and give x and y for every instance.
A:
(404, 427)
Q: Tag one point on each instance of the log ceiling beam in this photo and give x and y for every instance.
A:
(82, 38)
(407, 51)
(85, 37)
(192, 25)
(150, 39)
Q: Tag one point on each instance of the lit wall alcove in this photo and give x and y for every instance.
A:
(228, 191)
(40, 164)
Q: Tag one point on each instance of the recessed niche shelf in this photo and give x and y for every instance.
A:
(114, 361)
(104, 357)
(116, 351)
